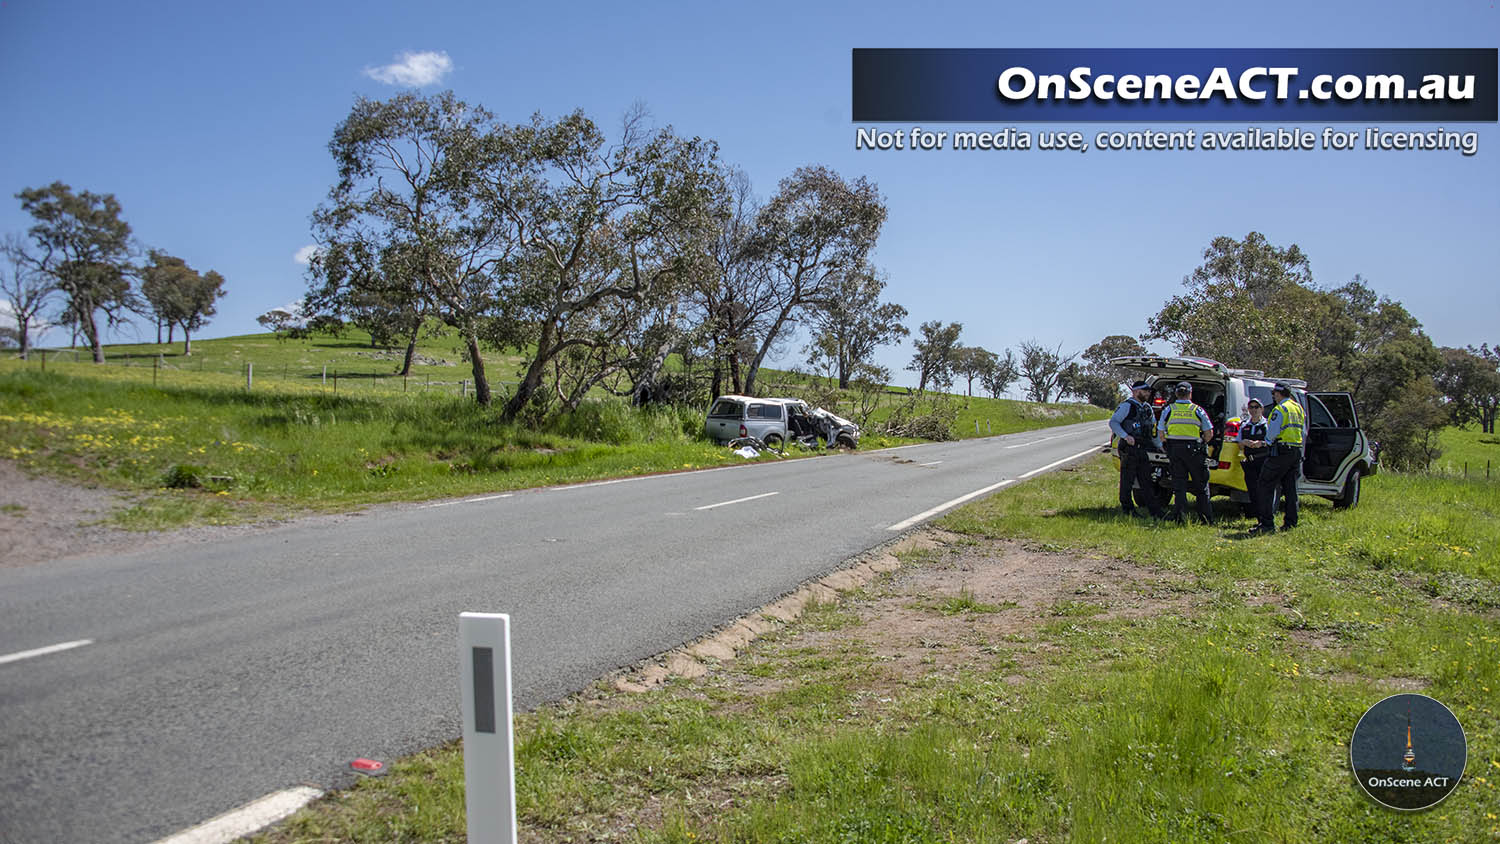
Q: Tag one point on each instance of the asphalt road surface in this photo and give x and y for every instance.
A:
(142, 693)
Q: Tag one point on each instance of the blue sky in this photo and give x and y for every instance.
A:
(210, 123)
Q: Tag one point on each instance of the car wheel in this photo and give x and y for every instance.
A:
(1350, 496)
(773, 441)
(845, 441)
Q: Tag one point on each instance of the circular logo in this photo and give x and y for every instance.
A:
(1408, 752)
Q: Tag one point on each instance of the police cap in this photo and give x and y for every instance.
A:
(1282, 389)
(1139, 385)
(1184, 388)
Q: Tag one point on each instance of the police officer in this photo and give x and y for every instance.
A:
(1253, 450)
(1284, 466)
(1135, 425)
(1185, 428)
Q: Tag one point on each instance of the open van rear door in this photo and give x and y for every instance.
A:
(1171, 367)
(1333, 436)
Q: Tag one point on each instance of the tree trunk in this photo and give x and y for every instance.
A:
(158, 331)
(171, 332)
(481, 383)
(411, 352)
(91, 332)
(534, 373)
(25, 337)
(187, 342)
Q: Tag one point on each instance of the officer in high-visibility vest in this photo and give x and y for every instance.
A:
(1284, 431)
(1135, 425)
(1185, 429)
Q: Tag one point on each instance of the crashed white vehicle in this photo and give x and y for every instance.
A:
(776, 421)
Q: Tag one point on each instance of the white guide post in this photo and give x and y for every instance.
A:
(489, 740)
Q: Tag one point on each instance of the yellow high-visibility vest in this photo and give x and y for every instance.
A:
(1182, 421)
(1292, 421)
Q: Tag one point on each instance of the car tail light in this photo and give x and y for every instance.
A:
(1232, 428)
(1159, 401)
(743, 432)
(1223, 465)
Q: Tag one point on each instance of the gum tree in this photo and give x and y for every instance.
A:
(83, 248)
(404, 219)
(817, 230)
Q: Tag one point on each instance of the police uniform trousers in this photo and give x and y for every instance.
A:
(1252, 483)
(1135, 468)
(1189, 473)
(1280, 475)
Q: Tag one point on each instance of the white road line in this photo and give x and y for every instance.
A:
(1034, 442)
(249, 818)
(947, 505)
(50, 649)
(737, 501)
(467, 500)
(933, 463)
(1059, 462)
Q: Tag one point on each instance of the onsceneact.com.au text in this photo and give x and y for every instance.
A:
(1253, 83)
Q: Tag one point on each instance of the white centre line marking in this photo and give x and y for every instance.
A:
(737, 501)
(468, 500)
(933, 463)
(1054, 463)
(1034, 442)
(50, 649)
(240, 822)
(947, 505)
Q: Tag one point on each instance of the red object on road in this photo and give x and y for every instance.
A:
(373, 767)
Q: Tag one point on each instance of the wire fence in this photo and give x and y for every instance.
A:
(345, 376)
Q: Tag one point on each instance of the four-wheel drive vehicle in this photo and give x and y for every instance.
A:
(1336, 453)
(775, 421)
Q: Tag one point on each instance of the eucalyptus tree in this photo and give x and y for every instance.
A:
(179, 296)
(817, 230)
(608, 232)
(25, 289)
(83, 247)
(853, 322)
(405, 216)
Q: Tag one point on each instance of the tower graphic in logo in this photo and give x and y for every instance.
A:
(1408, 762)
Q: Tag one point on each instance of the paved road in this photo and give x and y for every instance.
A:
(217, 673)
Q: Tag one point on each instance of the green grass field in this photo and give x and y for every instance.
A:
(1222, 719)
(199, 446)
(1480, 451)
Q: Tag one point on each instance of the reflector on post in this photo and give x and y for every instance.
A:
(489, 740)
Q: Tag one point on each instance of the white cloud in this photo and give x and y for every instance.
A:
(305, 255)
(413, 70)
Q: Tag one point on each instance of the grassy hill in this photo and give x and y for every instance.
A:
(197, 445)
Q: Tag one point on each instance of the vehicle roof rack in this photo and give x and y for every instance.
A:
(1290, 382)
(1248, 373)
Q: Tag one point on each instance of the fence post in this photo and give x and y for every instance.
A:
(488, 734)
(463, 388)
(976, 427)
(325, 376)
(335, 382)
(249, 375)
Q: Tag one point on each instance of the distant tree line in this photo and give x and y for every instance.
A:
(78, 267)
